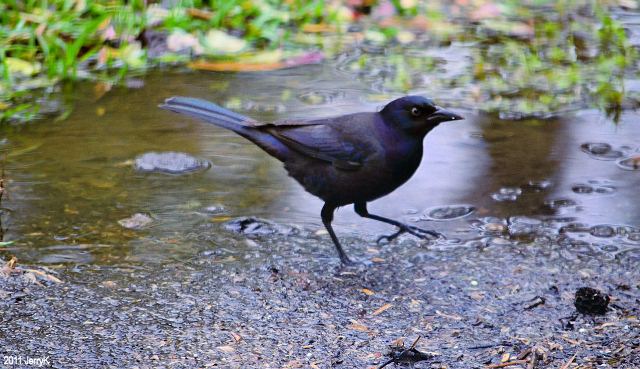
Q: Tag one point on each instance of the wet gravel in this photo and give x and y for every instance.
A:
(281, 300)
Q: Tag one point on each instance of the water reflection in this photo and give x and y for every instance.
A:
(71, 181)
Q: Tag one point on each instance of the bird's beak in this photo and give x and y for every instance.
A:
(444, 115)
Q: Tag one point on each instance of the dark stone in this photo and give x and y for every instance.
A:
(591, 301)
(169, 162)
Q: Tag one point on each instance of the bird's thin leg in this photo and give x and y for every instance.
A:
(361, 209)
(327, 216)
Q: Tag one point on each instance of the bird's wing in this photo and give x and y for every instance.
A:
(324, 140)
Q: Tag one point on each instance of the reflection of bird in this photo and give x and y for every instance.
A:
(351, 159)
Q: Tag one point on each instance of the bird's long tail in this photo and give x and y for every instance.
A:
(208, 112)
(238, 123)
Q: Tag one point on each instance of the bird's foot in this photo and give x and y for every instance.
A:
(418, 232)
(346, 261)
(358, 263)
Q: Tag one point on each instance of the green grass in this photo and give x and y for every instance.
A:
(566, 60)
(43, 42)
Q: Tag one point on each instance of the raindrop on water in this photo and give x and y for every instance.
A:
(582, 188)
(320, 97)
(507, 194)
(630, 163)
(596, 148)
(538, 186)
(560, 203)
(605, 190)
(448, 212)
(522, 226)
(602, 231)
(634, 236)
(608, 248)
(600, 151)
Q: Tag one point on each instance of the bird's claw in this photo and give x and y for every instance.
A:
(349, 265)
(418, 232)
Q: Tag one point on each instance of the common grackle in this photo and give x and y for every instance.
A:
(350, 159)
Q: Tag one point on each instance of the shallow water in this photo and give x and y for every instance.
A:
(70, 181)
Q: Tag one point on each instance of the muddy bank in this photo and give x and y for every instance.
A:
(283, 301)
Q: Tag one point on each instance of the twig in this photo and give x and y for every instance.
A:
(534, 359)
(524, 354)
(413, 345)
(507, 363)
(489, 345)
(409, 355)
(566, 365)
(536, 301)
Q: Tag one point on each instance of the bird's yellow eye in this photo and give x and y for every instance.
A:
(415, 111)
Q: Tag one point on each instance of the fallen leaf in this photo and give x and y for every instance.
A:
(405, 37)
(227, 349)
(367, 292)
(199, 13)
(22, 67)
(180, 41)
(399, 342)
(42, 274)
(108, 284)
(381, 309)
(136, 221)
(293, 364)
(318, 28)
(258, 62)
(357, 326)
(31, 278)
(218, 42)
(11, 264)
(448, 316)
(236, 337)
(235, 66)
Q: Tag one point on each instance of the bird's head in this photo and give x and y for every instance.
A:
(416, 115)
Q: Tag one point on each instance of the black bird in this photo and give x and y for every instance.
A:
(350, 159)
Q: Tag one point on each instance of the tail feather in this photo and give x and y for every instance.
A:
(219, 116)
(208, 112)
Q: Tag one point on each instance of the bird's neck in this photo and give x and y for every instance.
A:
(400, 146)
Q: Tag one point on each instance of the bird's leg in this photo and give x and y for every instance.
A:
(361, 209)
(327, 216)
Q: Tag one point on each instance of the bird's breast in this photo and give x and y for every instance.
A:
(403, 156)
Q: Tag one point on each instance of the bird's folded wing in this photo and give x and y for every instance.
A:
(323, 142)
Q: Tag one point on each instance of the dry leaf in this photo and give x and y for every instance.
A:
(357, 326)
(108, 284)
(11, 264)
(448, 316)
(318, 28)
(199, 13)
(265, 61)
(227, 349)
(381, 309)
(236, 337)
(42, 274)
(367, 292)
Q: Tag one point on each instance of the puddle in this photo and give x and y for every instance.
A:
(72, 180)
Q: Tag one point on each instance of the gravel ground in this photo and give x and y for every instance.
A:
(278, 298)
